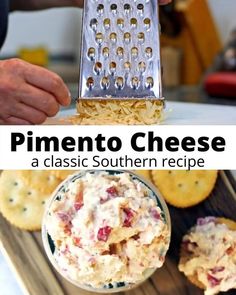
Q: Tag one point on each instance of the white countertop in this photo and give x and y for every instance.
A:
(182, 113)
(8, 283)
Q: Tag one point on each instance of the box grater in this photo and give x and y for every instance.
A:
(120, 56)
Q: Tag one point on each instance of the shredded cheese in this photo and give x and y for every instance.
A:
(118, 112)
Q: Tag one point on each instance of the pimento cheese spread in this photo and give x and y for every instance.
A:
(212, 255)
(107, 229)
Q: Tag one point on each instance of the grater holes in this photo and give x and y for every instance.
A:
(113, 37)
(98, 68)
(100, 9)
(112, 67)
(93, 24)
(149, 83)
(127, 8)
(140, 8)
(91, 53)
(134, 52)
(105, 83)
(133, 22)
(147, 23)
(135, 82)
(120, 23)
(142, 67)
(107, 23)
(99, 38)
(90, 83)
(127, 66)
(119, 83)
(120, 52)
(106, 52)
(113, 8)
(148, 52)
(121, 41)
(127, 37)
(141, 37)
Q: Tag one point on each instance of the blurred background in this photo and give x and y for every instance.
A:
(198, 47)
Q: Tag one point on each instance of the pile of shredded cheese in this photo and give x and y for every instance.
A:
(118, 112)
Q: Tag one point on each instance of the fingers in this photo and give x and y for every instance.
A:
(38, 99)
(28, 114)
(164, 2)
(28, 93)
(49, 82)
(14, 121)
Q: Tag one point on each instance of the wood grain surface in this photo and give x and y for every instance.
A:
(25, 253)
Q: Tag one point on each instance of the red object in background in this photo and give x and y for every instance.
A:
(221, 84)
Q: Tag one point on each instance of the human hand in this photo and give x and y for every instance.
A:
(28, 93)
(164, 2)
(79, 3)
(43, 4)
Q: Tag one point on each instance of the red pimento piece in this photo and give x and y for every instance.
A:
(217, 269)
(76, 241)
(67, 229)
(78, 206)
(79, 197)
(162, 258)
(155, 214)
(205, 220)
(189, 246)
(65, 251)
(92, 261)
(64, 217)
(79, 200)
(112, 192)
(129, 214)
(213, 280)
(230, 250)
(103, 233)
(136, 237)
(103, 200)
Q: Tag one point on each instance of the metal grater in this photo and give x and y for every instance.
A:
(120, 56)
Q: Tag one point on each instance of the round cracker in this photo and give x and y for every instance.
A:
(63, 174)
(184, 189)
(41, 180)
(22, 205)
(185, 257)
(194, 280)
(146, 174)
(230, 223)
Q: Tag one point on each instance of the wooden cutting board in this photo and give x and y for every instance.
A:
(25, 253)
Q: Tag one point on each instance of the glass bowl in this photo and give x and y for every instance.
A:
(49, 245)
